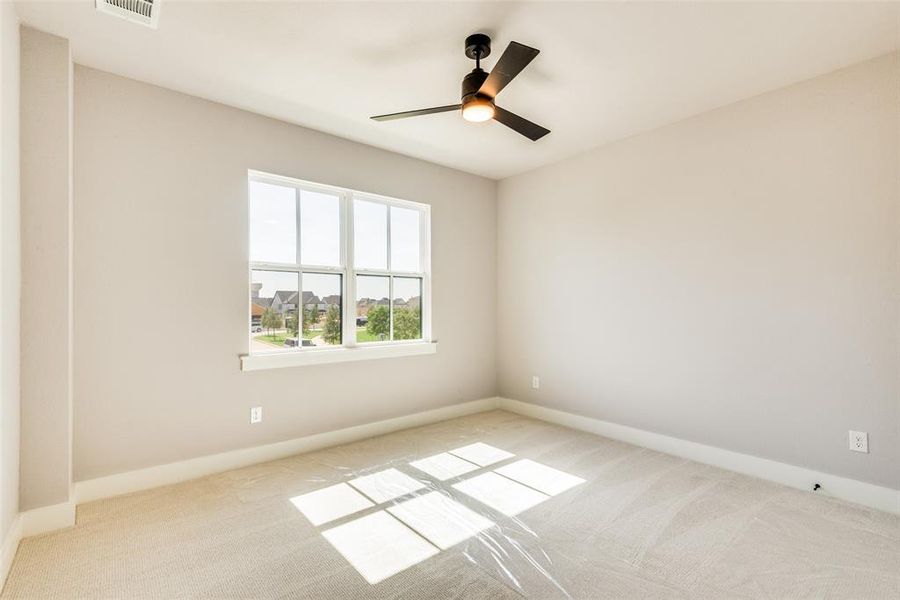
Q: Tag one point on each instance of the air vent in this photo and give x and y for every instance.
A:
(145, 12)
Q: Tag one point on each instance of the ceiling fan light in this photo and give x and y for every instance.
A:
(478, 110)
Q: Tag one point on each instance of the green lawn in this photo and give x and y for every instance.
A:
(276, 339)
(364, 336)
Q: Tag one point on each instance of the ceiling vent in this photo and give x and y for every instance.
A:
(145, 12)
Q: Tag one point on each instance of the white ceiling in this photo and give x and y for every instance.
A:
(606, 70)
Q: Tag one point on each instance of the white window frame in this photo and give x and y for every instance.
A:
(349, 350)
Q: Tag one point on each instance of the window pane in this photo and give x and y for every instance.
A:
(320, 229)
(373, 317)
(404, 239)
(407, 308)
(273, 223)
(369, 235)
(273, 311)
(321, 309)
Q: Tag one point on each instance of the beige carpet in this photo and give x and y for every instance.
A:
(642, 525)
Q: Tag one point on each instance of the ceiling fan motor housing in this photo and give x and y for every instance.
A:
(471, 83)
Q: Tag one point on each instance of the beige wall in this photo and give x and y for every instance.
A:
(10, 267)
(161, 281)
(46, 337)
(731, 279)
(737, 272)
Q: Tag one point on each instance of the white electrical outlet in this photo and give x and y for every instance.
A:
(535, 382)
(859, 441)
(255, 414)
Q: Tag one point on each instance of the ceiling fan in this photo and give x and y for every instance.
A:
(479, 89)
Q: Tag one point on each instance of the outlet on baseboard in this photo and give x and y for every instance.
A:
(255, 414)
(535, 382)
(859, 441)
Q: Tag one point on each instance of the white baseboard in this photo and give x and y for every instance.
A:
(59, 516)
(133, 481)
(47, 518)
(8, 550)
(33, 522)
(867, 494)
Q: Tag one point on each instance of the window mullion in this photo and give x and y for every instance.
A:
(349, 306)
(391, 306)
(299, 219)
(387, 259)
(425, 267)
(390, 277)
(301, 308)
(262, 266)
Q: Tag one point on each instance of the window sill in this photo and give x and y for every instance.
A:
(299, 358)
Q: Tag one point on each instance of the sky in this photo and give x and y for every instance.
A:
(273, 238)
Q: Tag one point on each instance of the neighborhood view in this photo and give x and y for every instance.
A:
(296, 287)
(284, 318)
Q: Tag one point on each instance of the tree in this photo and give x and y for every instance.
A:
(310, 317)
(379, 322)
(271, 319)
(407, 324)
(332, 333)
(291, 323)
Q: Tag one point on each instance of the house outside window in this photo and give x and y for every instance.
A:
(333, 268)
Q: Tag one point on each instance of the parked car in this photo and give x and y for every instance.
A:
(255, 329)
(291, 342)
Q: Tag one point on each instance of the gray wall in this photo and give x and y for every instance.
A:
(10, 267)
(46, 340)
(161, 281)
(731, 279)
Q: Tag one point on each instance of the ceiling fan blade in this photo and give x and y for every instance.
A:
(515, 58)
(417, 113)
(530, 130)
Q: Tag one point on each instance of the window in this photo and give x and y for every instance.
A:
(313, 247)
